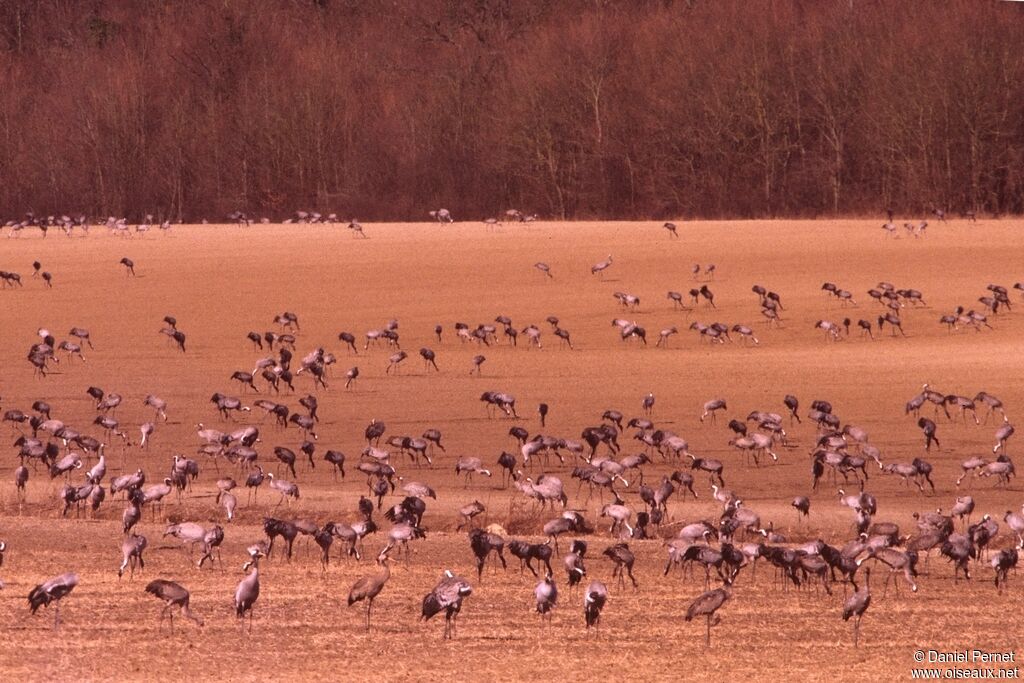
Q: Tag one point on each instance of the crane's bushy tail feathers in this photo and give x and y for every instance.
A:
(431, 606)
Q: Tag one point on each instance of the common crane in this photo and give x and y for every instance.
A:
(447, 596)
(369, 587)
(248, 590)
(53, 591)
(706, 605)
(173, 595)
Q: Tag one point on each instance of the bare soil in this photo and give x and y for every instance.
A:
(222, 281)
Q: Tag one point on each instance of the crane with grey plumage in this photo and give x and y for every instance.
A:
(288, 490)
(52, 591)
(857, 604)
(248, 590)
(447, 596)
(369, 587)
(20, 480)
(599, 268)
(157, 404)
(1002, 435)
(131, 552)
(712, 407)
(706, 605)
(623, 559)
(173, 595)
(802, 504)
(594, 600)
(546, 596)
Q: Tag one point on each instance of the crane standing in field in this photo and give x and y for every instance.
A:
(253, 481)
(369, 587)
(394, 360)
(157, 404)
(712, 407)
(706, 605)
(857, 604)
(248, 590)
(1002, 435)
(131, 551)
(928, 429)
(793, 404)
(599, 268)
(441, 215)
(53, 591)
(288, 490)
(429, 359)
(20, 480)
(447, 596)
(173, 595)
(594, 600)
(546, 595)
(802, 505)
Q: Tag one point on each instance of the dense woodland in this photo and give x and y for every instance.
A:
(384, 109)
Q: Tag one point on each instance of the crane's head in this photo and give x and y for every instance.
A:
(254, 554)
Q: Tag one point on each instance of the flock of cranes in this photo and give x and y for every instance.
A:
(121, 226)
(892, 299)
(727, 547)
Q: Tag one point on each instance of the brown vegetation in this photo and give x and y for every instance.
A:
(612, 108)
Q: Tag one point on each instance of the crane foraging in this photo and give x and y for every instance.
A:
(173, 595)
(53, 591)
(599, 268)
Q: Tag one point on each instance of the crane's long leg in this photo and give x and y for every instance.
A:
(707, 638)
(163, 612)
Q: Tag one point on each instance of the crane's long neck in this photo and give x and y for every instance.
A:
(189, 614)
